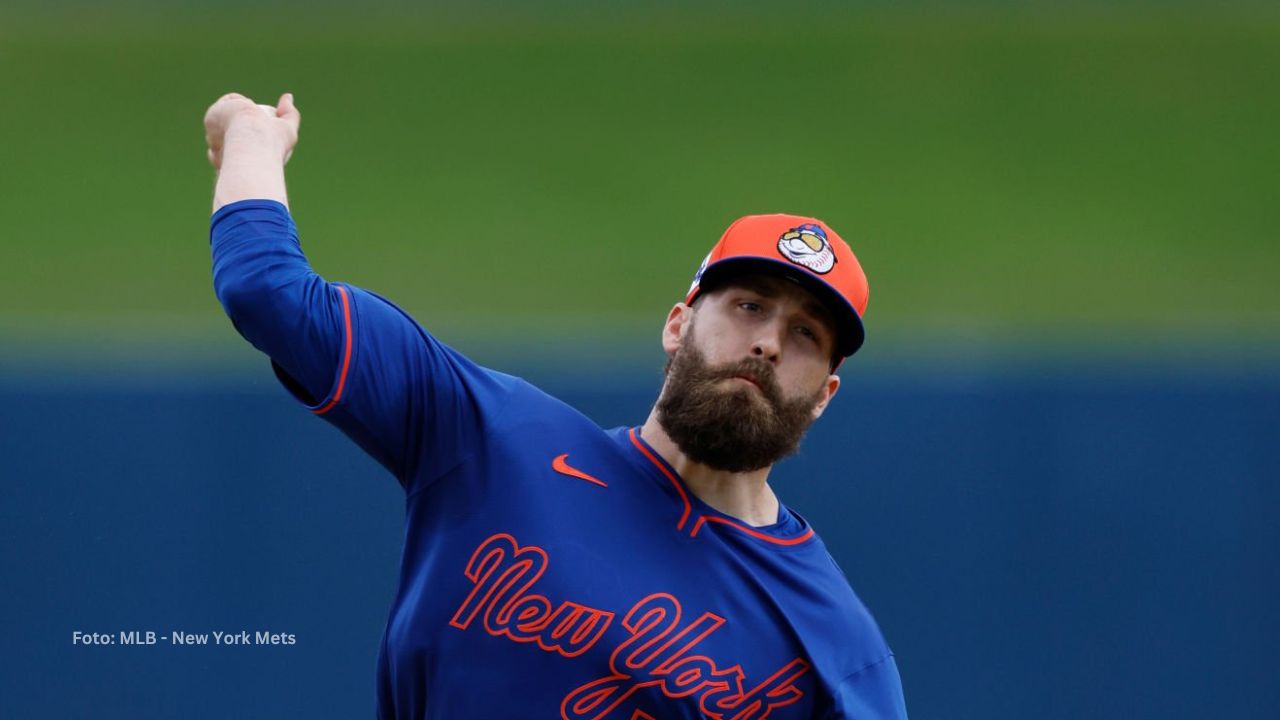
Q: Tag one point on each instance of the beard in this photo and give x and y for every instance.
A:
(734, 429)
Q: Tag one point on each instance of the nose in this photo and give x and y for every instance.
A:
(767, 344)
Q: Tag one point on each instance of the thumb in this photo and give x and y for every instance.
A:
(285, 110)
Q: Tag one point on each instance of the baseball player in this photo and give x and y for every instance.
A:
(551, 568)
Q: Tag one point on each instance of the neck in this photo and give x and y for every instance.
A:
(745, 496)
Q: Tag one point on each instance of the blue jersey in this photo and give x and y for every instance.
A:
(551, 568)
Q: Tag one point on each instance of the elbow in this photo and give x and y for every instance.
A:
(239, 299)
(257, 300)
(260, 275)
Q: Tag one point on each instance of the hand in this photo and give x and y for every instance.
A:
(236, 117)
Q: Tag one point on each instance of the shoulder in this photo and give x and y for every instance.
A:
(859, 667)
(855, 640)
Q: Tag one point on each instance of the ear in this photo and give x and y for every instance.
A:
(829, 389)
(676, 327)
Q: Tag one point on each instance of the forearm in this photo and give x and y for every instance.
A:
(253, 160)
(272, 296)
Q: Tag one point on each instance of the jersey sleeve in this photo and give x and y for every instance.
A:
(352, 357)
(872, 693)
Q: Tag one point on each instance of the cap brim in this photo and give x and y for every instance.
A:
(849, 330)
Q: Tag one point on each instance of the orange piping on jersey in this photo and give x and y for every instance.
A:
(755, 533)
(562, 467)
(346, 353)
(704, 518)
(698, 525)
(685, 498)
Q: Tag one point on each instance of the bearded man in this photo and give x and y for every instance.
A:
(551, 568)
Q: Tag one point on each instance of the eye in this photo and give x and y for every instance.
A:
(750, 307)
(807, 332)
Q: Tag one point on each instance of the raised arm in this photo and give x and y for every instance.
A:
(249, 145)
(260, 274)
(352, 357)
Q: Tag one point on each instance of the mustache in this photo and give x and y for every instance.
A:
(758, 370)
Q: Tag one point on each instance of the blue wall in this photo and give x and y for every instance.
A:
(1035, 545)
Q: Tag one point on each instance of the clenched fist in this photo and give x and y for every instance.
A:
(237, 120)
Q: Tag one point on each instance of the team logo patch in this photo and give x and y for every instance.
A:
(808, 247)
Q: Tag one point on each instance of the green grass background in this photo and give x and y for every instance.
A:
(1097, 175)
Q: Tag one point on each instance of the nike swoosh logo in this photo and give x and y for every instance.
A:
(562, 467)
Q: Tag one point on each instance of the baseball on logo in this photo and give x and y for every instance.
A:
(807, 246)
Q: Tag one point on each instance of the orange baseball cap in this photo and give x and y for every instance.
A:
(803, 249)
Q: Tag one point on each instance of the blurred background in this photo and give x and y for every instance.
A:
(1050, 474)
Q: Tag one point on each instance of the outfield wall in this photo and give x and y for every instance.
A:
(1035, 544)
